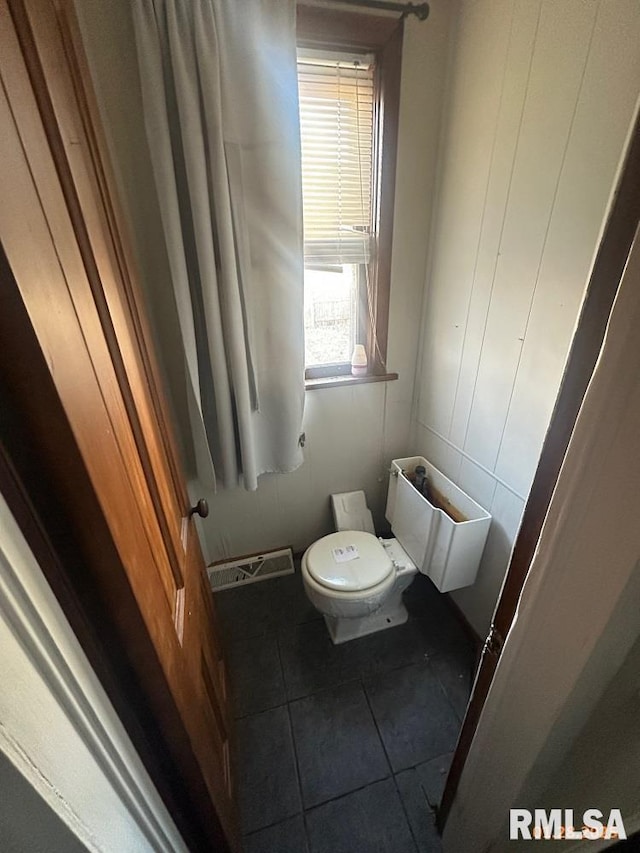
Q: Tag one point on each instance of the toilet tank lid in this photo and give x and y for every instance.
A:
(349, 560)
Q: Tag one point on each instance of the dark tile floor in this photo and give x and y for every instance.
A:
(342, 748)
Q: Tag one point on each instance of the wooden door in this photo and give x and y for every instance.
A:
(69, 285)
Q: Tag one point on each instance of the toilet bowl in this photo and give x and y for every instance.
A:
(356, 581)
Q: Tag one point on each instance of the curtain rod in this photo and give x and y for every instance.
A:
(420, 10)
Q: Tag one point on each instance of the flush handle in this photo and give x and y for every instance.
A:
(201, 509)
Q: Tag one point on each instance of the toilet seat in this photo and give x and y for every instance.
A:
(349, 561)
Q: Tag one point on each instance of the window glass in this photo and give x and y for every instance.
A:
(336, 117)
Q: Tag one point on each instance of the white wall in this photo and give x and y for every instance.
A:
(539, 99)
(559, 728)
(609, 739)
(352, 433)
(70, 778)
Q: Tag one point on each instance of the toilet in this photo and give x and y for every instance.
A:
(356, 580)
(361, 595)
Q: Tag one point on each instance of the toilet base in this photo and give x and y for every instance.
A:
(391, 613)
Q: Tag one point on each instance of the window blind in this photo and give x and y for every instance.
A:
(336, 117)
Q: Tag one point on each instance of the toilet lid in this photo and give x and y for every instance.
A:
(350, 560)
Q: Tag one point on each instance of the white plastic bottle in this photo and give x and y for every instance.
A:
(359, 361)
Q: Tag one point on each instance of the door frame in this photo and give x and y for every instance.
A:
(608, 266)
(53, 675)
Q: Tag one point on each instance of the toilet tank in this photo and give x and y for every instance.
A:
(444, 536)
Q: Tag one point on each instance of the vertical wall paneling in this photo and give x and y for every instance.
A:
(473, 104)
(540, 99)
(522, 37)
(561, 46)
(479, 600)
(586, 178)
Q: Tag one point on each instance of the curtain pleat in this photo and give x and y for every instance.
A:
(221, 112)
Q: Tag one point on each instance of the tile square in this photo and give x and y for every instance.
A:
(421, 598)
(395, 647)
(414, 717)
(286, 837)
(293, 606)
(267, 605)
(255, 675)
(370, 820)
(337, 744)
(242, 612)
(442, 623)
(311, 662)
(433, 776)
(266, 770)
(419, 812)
(455, 669)
(451, 636)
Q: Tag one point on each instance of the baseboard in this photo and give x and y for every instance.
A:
(470, 631)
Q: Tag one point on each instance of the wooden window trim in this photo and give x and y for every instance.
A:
(341, 381)
(336, 30)
(323, 371)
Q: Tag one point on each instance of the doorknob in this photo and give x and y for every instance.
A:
(201, 509)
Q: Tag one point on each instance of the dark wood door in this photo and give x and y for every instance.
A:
(70, 275)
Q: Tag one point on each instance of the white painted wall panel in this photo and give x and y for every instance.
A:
(473, 103)
(477, 483)
(563, 702)
(477, 602)
(560, 51)
(587, 177)
(507, 275)
(438, 451)
(521, 38)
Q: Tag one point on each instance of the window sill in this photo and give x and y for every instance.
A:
(341, 381)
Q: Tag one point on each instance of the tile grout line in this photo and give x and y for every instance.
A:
(427, 655)
(425, 661)
(326, 689)
(281, 634)
(294, 745)
(354, 682)
(447, 697)
(339, 797)
(242, 717)
(393, 775)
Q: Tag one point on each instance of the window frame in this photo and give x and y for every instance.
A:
(328, 29)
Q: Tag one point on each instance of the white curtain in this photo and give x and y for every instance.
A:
(220, 101)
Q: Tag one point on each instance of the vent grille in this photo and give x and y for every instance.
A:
(249, 569)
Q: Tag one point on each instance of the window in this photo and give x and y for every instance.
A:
(348, 75)
(336, 119)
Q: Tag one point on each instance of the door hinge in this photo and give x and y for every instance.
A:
(494, 642)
